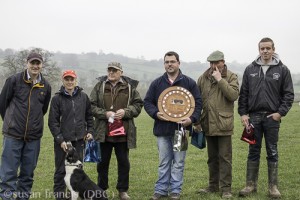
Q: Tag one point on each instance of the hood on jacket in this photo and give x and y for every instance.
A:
(132, 82)
(275, 60)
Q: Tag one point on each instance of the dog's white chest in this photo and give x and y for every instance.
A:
(69, 172)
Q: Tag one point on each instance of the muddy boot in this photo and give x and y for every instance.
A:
(251, 179)
(273, 181)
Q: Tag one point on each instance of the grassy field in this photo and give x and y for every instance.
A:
(144, 164)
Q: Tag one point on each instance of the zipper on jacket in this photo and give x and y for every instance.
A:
(74, 121)
(38, 85)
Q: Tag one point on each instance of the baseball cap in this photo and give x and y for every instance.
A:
(34, 56)
(115, 65)
(215, 56)
(69, 73)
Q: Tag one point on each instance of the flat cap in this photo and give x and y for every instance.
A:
(215, 56)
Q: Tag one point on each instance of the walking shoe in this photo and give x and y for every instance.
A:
(124, 196)
(174, 196)
(247, 191)
(226, 195)
(157, 196)
(207, 190)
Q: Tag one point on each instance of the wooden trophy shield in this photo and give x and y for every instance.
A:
(176, 103)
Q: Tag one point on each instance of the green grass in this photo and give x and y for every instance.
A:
(144, 164)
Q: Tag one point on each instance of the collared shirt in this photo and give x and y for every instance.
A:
(74, 92)
(38, 80)
(114, 84)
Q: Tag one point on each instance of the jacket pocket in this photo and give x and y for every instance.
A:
(225, 121)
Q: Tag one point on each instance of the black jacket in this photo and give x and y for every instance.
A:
(272, 92)
(23, 105)
(70, 117)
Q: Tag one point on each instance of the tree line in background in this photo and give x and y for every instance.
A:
(91, 65)
(15, 61)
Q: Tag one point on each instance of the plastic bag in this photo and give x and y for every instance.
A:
(248, 134)
(180, 142)
(198, 139)
(92, 152)
(116, 128)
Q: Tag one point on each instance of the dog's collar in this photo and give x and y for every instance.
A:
(76, 165)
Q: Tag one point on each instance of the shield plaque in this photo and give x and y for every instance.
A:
(176, 103)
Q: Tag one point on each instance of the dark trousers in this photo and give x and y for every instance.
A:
(264, 127)
(122, 154)
(18, 154)
(219, 149)
(59, 187)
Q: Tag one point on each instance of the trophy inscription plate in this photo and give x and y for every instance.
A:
(176, 103)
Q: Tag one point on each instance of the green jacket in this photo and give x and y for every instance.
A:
(217, 118)
(133, 109)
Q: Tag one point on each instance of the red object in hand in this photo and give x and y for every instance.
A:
(116, 128)
(248, 134)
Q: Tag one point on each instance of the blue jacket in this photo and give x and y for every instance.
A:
(167, 128)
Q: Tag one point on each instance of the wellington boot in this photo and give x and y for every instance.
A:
(273, 180)
(274, 192)
(251, 179)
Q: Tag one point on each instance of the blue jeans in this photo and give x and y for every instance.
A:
(171, 166)
(15, 154)
(264, 127)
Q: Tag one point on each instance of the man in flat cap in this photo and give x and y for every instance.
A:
(219, 89)
(115, 103)
(24, 101)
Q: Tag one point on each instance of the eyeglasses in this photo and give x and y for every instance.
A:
(171, 61)
(112, 70)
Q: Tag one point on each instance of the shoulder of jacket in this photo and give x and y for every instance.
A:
(158, 80)
(230, 73)
(283, 66)
(99, 84)
(57, 98)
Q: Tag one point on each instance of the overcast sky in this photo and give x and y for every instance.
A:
(135, 28)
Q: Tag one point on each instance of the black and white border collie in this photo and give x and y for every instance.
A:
(77, 180)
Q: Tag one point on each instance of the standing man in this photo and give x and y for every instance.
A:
(115, 103)
(24, 101)
(219, 89)
(171, 163)
(266, 95)
(70, 119)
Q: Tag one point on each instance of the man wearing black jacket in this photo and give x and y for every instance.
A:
(266, 95)
(24, 101)
(70, 119)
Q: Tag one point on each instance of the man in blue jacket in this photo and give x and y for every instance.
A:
(171, 163)
(266, 95)
(24, 101)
